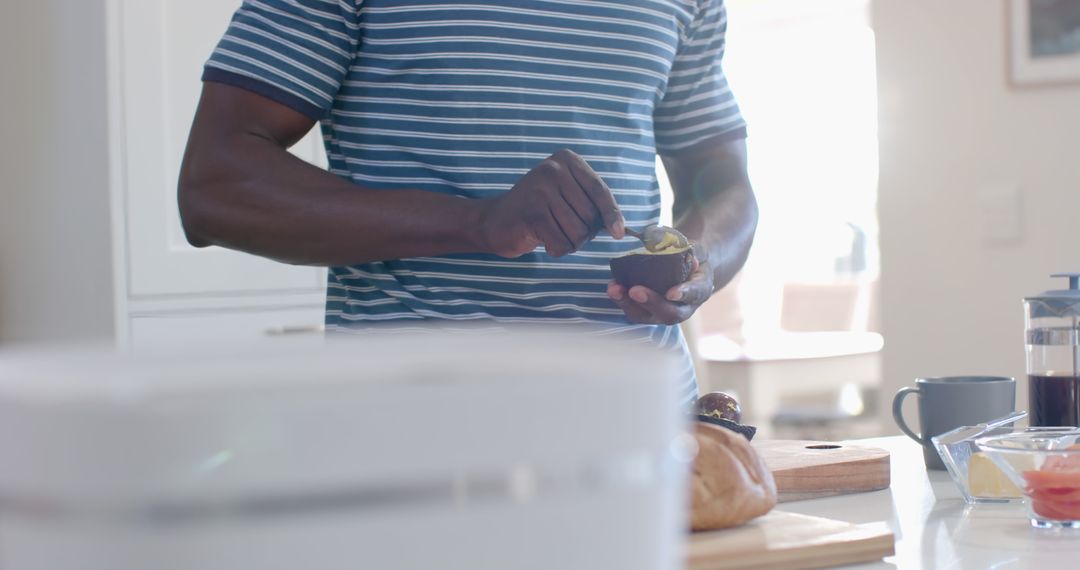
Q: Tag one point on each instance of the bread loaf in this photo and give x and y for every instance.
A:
(730, 483)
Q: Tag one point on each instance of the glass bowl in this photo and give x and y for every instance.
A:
(974, 474)
(1045, 463)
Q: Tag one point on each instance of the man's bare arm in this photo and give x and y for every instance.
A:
(714, 207)
(240, 188)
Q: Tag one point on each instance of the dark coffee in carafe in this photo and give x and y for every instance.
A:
(1054, 400)
(1052, 344)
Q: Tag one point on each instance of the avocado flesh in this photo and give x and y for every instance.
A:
(669, 241)
(657, 251)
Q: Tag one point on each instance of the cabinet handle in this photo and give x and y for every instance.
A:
(295, 330)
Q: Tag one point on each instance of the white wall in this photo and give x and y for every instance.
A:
(55, 267)
(952, 131)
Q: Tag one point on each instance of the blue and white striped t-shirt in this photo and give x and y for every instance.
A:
(463, 98)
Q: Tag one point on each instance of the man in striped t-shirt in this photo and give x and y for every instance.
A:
(485, 156)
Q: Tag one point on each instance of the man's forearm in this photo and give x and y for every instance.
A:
(715, 207)
(241, 189)
(252, 196)
(724, 228)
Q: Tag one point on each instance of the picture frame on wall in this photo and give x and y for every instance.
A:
(1044, 42)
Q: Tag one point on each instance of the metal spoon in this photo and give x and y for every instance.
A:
(658, 238)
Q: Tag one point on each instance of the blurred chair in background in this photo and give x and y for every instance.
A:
(813, 375)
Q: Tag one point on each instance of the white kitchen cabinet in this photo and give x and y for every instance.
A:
(99, 96)
(165, 288)
(169, 329)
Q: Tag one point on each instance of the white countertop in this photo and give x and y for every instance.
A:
(936, 530)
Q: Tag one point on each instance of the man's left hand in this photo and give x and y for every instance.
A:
(643, 305)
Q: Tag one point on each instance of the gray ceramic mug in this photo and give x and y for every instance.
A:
(949, 402)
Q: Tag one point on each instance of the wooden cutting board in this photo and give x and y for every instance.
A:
(814, 469)
(788, 541)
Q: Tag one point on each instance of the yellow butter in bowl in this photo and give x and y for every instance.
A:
(986, 480)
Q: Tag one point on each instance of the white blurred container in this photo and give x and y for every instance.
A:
(474, 452)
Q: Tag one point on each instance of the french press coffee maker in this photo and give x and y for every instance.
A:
(1052, 324)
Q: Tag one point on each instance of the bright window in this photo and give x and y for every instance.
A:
(803, 72)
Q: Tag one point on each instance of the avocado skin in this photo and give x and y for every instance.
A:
(657, 271)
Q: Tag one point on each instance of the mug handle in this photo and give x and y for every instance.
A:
(898, 415)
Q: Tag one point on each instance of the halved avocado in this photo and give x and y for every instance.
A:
(657, 270)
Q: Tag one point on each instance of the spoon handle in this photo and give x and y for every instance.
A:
(633, 233)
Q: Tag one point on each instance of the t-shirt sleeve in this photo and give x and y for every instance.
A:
(295, 52)
(698, 104)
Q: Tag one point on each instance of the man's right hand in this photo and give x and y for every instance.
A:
(561, 204)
